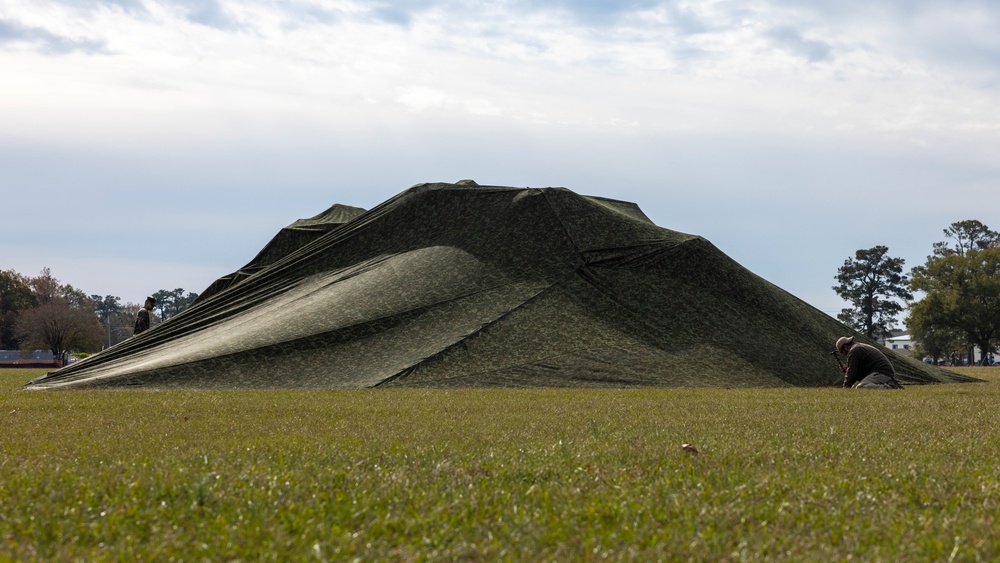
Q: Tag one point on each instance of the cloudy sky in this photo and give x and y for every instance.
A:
(155, 144)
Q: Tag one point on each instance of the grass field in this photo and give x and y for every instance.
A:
(782, 474)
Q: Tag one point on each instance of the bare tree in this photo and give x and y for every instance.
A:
(63, 320)
(58, 327)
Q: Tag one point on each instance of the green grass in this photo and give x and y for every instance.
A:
(783, 474)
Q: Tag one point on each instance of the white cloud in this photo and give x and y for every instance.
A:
(759, 68)
(420, 98)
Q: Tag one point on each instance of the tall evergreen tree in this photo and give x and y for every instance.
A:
(965, 236)
(109, 310)
(872, 282)
(170, 303)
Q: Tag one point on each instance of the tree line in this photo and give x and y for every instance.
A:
(41, 313)
(960, 286)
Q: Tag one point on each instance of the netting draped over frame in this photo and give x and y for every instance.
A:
(467, 285)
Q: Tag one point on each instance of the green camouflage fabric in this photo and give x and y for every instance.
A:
(480, 286)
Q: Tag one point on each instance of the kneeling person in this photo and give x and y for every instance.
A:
(867, 367)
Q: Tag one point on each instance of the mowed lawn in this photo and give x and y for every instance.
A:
(498, 474)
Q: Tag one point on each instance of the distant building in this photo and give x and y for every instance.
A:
(11, 355)
(899, 342)
(28, 359)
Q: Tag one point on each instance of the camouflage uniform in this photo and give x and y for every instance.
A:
(141, 321)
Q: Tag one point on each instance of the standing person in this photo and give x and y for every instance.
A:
(867, 367)
(142, 317)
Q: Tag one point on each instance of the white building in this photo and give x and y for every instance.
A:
(899, 343)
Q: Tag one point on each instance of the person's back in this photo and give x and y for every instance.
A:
(867, 367)
(142, 317)
(869, 359)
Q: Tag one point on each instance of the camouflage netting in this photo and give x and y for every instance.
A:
(467, 285)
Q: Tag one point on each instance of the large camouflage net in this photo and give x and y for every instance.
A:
(467, 285)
